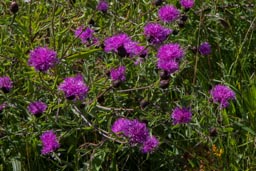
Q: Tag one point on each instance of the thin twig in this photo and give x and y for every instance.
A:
(114, 109)
(134, 89)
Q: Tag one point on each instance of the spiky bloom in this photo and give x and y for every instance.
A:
(222, 94)
(155, 33)
(138, 132)
(169, 56)
(42, 58)
(181, 115)
(168, 13)
(116, 42)
(49, 142)
(85, 34)
(37, 108)
(5, 84)
(150, 144)
(118, 73)
(187, 3)
(134, 49)
(74, 88)
(102, 6)
(205, 48)
(121, 125)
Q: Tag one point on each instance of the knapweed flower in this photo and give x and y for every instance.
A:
(169, 56)
(102, 6)
(74, 88)
(37, 108)
(42, 58)
(168, 13)
(134, 49)
(116, 44)
(85, 34)
(49, 142)
(187, 4)
(205, 48)
(181, 115)
(222, 94)
(156, 33)
(137, 132)
(150, 144)
(118, 73)
(121, 125)
(5, 84)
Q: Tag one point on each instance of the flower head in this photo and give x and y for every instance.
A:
(85, 34)
(168, 13)
(138, 132)
(5, 84)
(181, 115)
(205, 48)
(116, 42)
(150, 144)
(121, 125)
(74, 87)
(222, 94)
(187, 3)
(134, 49)
(37, 108)
(156, 33)
(49, 142)
(42, 58)
(102, 6)
(169, 56)
(118, 73)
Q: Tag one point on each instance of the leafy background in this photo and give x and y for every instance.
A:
(83, 129)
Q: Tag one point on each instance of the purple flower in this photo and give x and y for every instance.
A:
(134, 49)
(85, 34)
(5, 84)
(115, 42)
(121, 125)
(169, 56)
(168, 13)
(181, 115)
(102, 6)
(150, 144)
(74, 87)
(37, 108)
(137, 132)
(205, 48)
(222, 94)
(49, 142)
(156, 33)
(118, 73)
(42, 58)
(187, 3)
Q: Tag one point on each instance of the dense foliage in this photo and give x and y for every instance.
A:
(127, 85)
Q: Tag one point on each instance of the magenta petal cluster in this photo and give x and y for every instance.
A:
(155, 33)
(102, 6)
(85, 34)
(168, 13)
(49, 142)
(37, 108)
(74, 87)
(115, 42)
(169, 56)
(42, 58)
(222, 94)
(205, 48)
(181, 115)
(5, 84)
(118, 73)
(134, 49)
(150, 144)
(187, 3)
(137, 133)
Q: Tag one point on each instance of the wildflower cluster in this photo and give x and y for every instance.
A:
(137, 133)
(49, 142)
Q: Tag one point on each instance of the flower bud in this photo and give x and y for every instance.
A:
(14, 8)
(164, 84)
